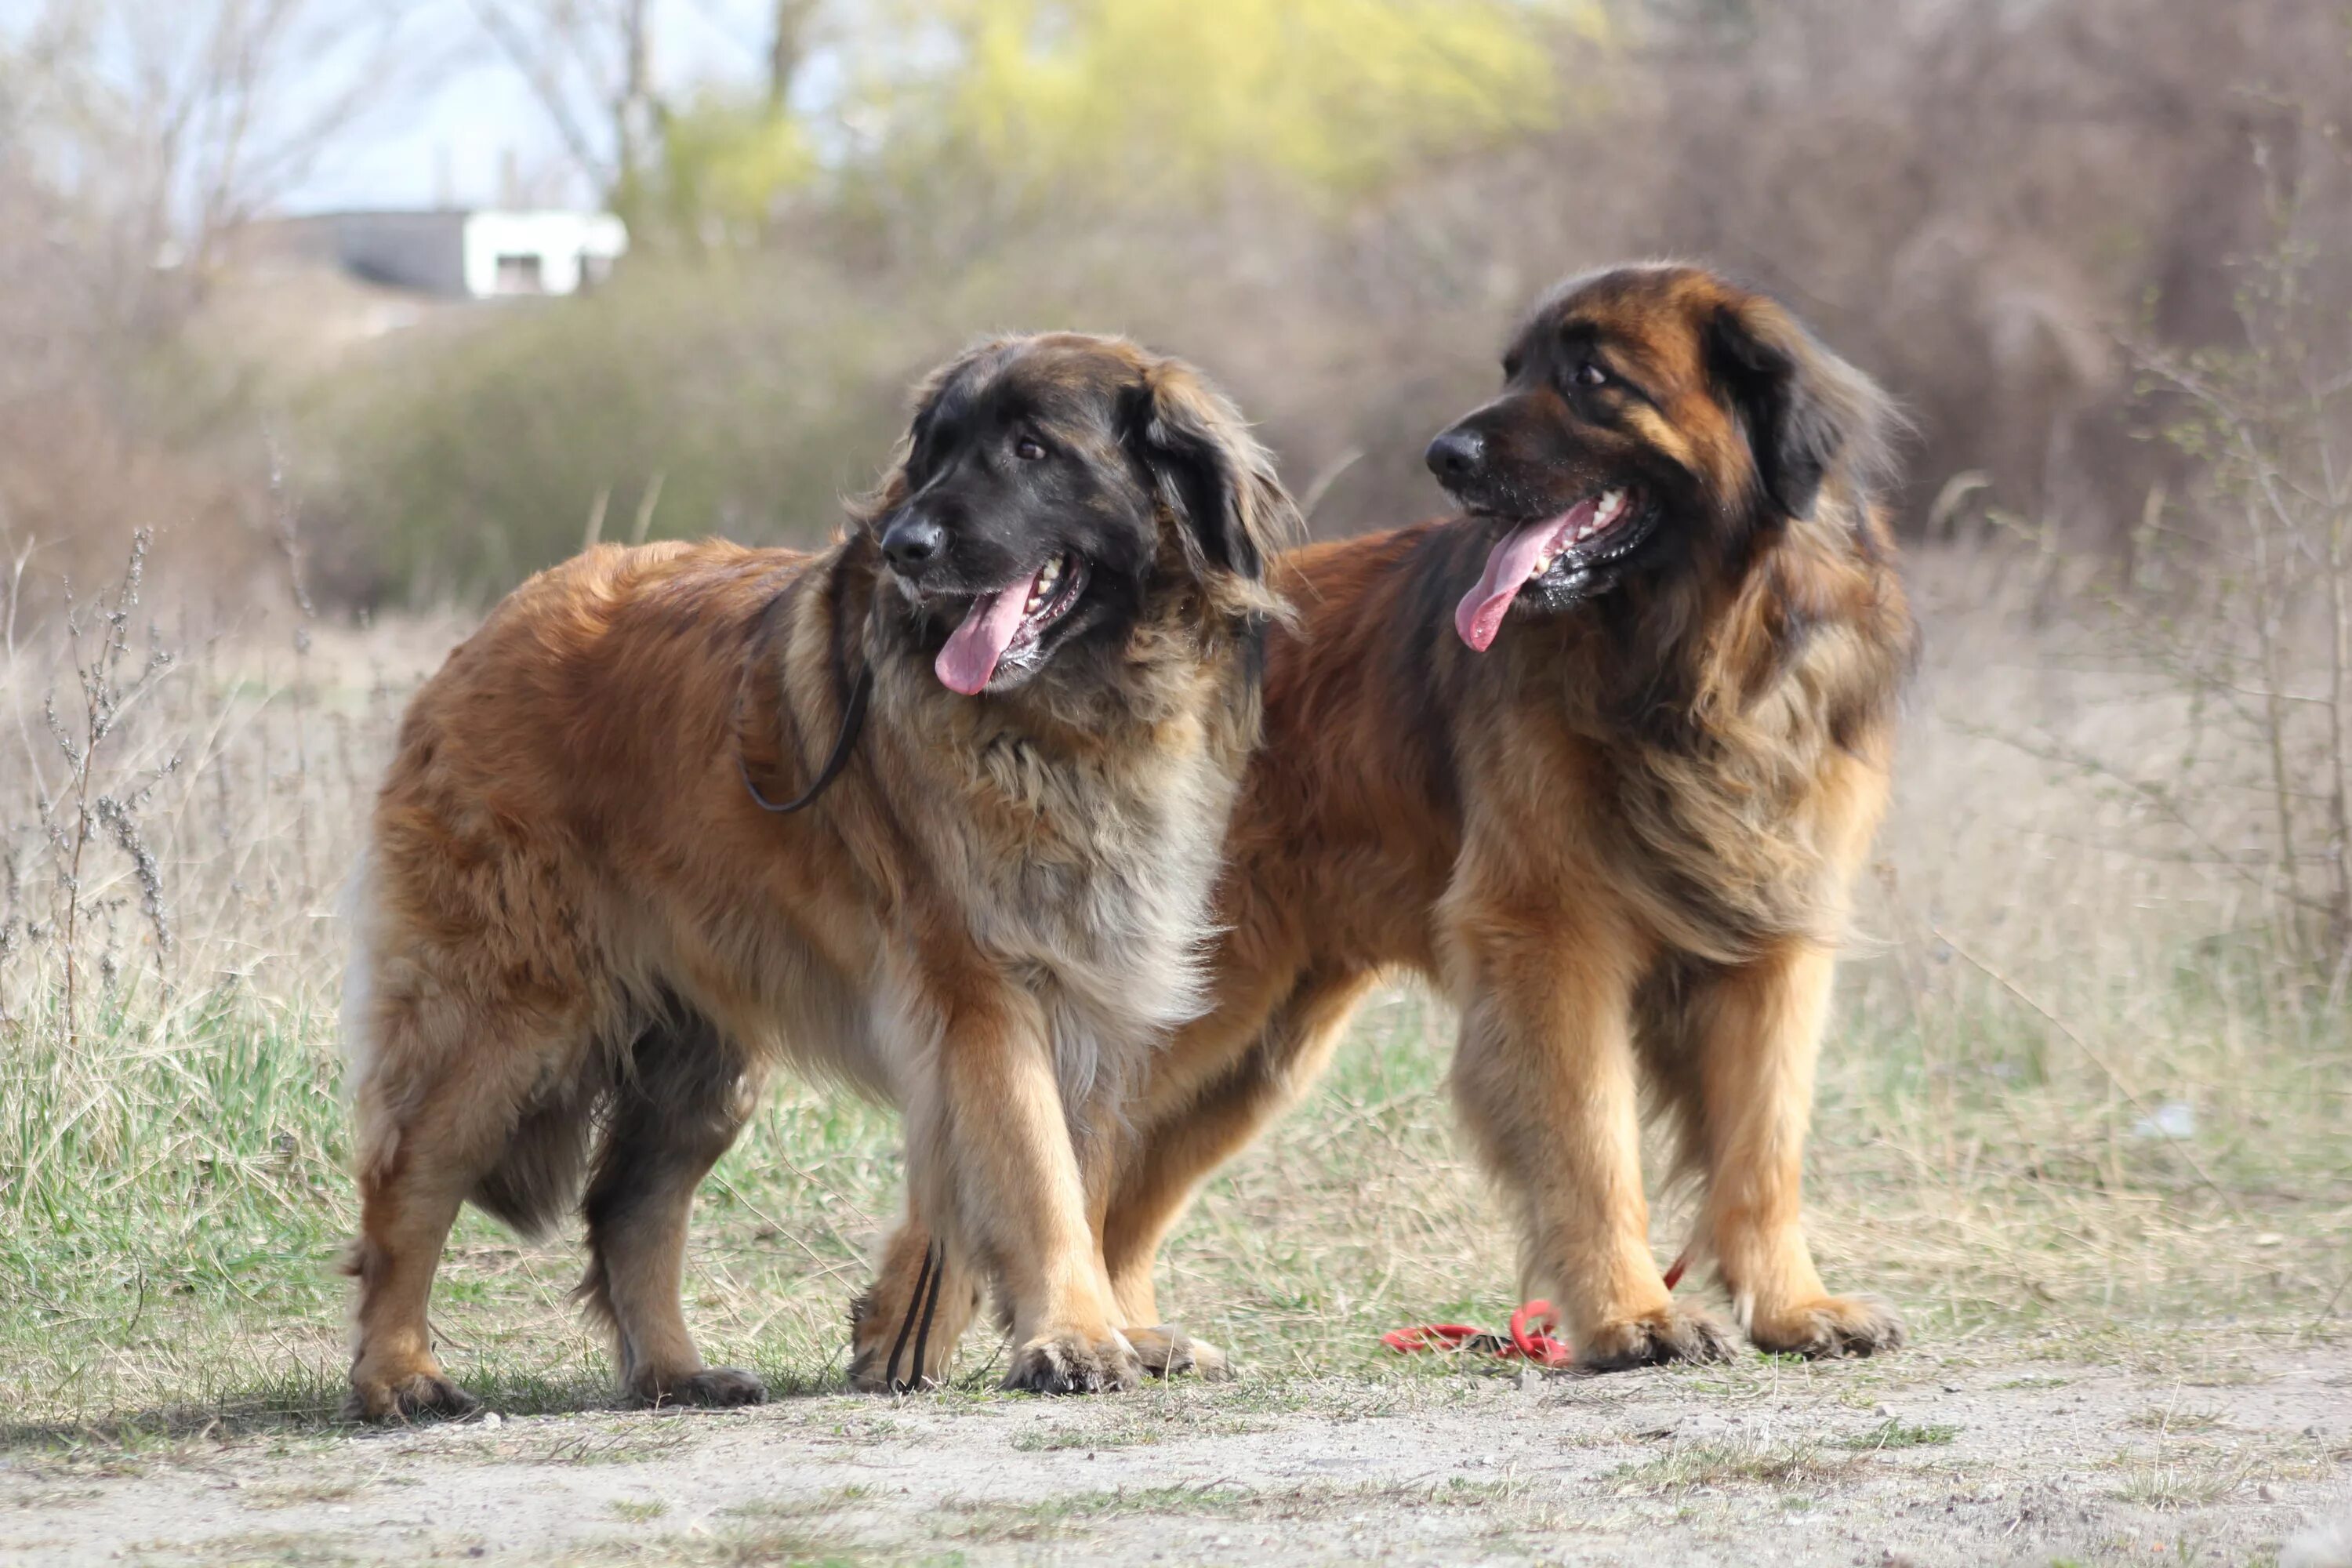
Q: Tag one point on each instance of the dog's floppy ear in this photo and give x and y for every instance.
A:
(1211, 472)
(1808, 413)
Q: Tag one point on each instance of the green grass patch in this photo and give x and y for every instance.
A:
(1901, 1434)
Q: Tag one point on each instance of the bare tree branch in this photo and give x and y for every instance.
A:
(586, 62)
(787, 49)
(546, 83)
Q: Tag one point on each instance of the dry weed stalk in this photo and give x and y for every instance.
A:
(175, 802)
(93, 801)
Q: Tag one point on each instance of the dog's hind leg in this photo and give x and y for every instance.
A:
(678, 1106)
(440, 1092)
(407, 1204)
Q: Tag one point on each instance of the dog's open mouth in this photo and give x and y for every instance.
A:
(1557, 557)
(1003, 632)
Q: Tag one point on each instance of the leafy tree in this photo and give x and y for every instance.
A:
(1329, 95)
(725, 167)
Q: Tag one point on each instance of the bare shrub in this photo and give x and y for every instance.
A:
(2239, 589)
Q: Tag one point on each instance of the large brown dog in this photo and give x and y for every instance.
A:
(1031, 664)
(1602, 757)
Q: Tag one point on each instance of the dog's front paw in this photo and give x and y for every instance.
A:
(410, 1395)
(1674, 1333)
(712, 1387)
(1829, 1326)
(1070, 1362)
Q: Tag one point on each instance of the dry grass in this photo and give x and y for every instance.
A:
(172, 1194)
(1782, 1465)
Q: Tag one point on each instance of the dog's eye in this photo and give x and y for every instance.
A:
(1590, 374)
(1028, 449)
(1511, 367)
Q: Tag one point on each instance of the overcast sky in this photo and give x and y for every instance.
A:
(464, 127)
(450, 138)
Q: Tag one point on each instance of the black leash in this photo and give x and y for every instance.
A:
(931, 1304)
(927, 1278)
(853, 720)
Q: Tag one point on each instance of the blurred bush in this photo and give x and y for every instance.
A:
(753, 395)
(724, 167)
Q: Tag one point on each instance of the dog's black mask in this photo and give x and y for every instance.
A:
(1029, 514)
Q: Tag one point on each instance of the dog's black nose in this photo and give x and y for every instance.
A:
(911, 543)
(1455, 456)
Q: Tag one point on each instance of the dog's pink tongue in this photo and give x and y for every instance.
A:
(1509, 566)
(970, 659)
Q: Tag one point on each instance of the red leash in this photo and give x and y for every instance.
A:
(1527, 1338)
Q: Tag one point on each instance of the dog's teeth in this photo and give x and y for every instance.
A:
(1611, 503)
(1049, 577)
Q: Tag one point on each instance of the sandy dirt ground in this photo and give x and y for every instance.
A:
(1925, 1458)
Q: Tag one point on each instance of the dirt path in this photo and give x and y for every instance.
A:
(1923, 1459)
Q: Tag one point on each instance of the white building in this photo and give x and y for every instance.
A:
(480, 253)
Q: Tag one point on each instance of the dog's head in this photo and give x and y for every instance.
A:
(1052, 489)
(1654, 421)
